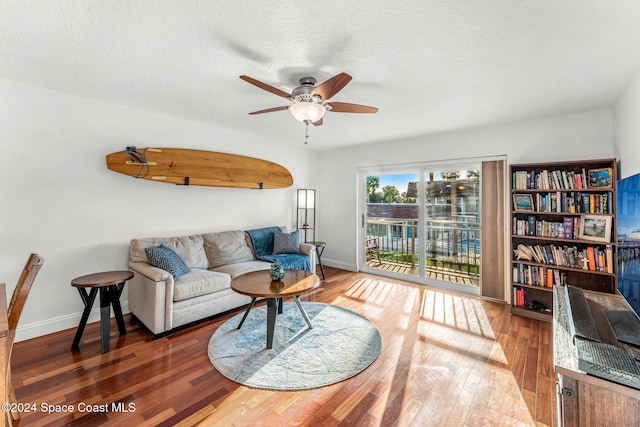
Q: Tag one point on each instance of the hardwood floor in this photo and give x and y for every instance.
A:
(447, 360)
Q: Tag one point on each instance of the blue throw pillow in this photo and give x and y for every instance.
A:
(165, 258)
(284, 243)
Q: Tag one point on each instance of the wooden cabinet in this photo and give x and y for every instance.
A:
(585, 400)
(563, 231)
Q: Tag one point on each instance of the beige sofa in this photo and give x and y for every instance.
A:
(163, 303)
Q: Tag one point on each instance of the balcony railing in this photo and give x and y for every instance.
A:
(449, 244)
(628, 249)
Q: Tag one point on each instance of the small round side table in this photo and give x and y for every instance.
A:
(110, 285)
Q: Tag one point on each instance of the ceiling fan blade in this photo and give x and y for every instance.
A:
(317, 123)
(270, 110)
(265, 86)
(332, 86)
(345, 107)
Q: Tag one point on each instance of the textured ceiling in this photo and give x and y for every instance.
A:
(430, 66)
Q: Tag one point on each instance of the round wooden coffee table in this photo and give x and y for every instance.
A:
(258, 284)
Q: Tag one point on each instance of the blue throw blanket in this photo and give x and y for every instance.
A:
(290, 261)
(262, 241)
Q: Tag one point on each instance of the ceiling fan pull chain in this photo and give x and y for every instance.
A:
(306, 131)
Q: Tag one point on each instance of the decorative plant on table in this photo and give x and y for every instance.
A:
(276, 272)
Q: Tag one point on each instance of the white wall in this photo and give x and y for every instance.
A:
(627, 128)
(59, 199)
(577, 136)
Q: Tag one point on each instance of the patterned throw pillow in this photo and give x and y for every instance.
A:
(166, 259)
(284, 243)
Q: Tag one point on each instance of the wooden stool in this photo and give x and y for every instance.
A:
(110, 284)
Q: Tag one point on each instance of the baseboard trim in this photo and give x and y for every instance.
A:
(339, 264)
(57, 324)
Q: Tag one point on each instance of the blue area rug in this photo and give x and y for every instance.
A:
(341, 344)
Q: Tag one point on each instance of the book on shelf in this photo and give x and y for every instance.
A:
(585, 202)
(531, 225)
(565, 179)
(544, 179)
(557, 277)
(600, 261)
(560, 233)
(568, 228)
(591, 257)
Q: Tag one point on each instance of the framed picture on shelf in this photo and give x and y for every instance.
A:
(595, 227)
(523, 202)
(600, 178)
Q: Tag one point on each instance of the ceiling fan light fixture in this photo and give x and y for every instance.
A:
(307, 111)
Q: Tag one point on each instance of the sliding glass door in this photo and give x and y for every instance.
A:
(423, 223)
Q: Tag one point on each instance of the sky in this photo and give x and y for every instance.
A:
(400, 181)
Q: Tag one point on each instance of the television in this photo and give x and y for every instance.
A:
(626, 324)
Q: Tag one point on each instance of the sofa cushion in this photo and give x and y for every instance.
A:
(189, 248)
(226, 247)
(243, 267)
(286, 243)
(166, 259)
(199, 282)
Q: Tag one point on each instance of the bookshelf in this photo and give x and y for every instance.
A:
(563, 231)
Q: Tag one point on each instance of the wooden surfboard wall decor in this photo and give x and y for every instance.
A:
(184, 166)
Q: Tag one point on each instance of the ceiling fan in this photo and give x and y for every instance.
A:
(311, 102)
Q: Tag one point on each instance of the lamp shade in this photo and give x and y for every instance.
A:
(306, 198)
(311, 111)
